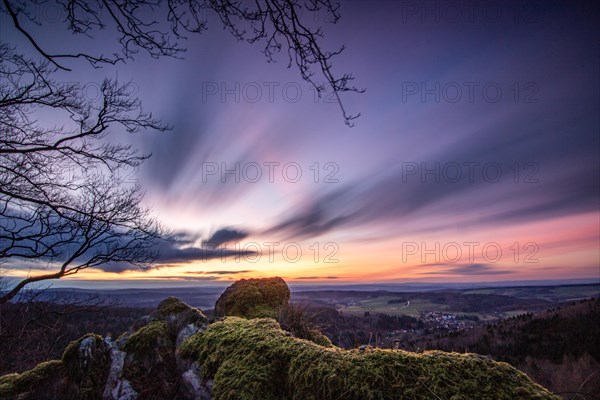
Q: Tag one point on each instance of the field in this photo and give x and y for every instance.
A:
(381, 304)
(486, 303)
(550, 293)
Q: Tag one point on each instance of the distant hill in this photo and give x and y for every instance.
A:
(205, 296)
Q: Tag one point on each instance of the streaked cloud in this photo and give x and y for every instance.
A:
(223, 236)
(468, 270)
(181, 248)
(316, 277)
(393, 175)
(219, 272)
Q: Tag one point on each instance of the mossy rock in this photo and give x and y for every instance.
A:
(256, 359)
(87, 363)
(150, 364)
(253, 298)
(80, 374)
(145, 342)
(171, 305)
(178, 314)
(45, 381)
(319, 338)
(7, 385)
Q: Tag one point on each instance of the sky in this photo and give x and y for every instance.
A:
(475, 157)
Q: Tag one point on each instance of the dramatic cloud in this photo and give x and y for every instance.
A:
(321, 216)
(505, 183)
(223, 236)
(180, 248)
(219, 272)
(514, 153)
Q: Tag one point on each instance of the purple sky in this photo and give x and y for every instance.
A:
(481, 126)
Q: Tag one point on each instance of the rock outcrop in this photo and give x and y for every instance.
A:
(80, 374)
(140, 365)
(253, 298)
(175, 354)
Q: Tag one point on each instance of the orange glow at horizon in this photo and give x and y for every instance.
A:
(542, 253)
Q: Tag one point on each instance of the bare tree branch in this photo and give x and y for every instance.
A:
(63, 200)
(159, 28)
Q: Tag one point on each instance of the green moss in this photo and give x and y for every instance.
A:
(146, 339)
(25, 385)
(71, 352)
(150, 363)
(178, 314)
(253, 298)
(7, 385)
(320, 339)
(41, 371)
(171, 305)
(252, 359)
(87, 375)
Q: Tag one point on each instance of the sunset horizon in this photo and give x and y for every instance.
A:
(475, 155)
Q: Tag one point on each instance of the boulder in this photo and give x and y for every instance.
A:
(150, 364)
(153, 347)
(253, 298)
(178, 314)
(47, 380)
(87, 364)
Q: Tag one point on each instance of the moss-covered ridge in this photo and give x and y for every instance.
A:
(255, 359)
(253, 298)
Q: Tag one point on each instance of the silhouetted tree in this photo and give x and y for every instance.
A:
(63, 199)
